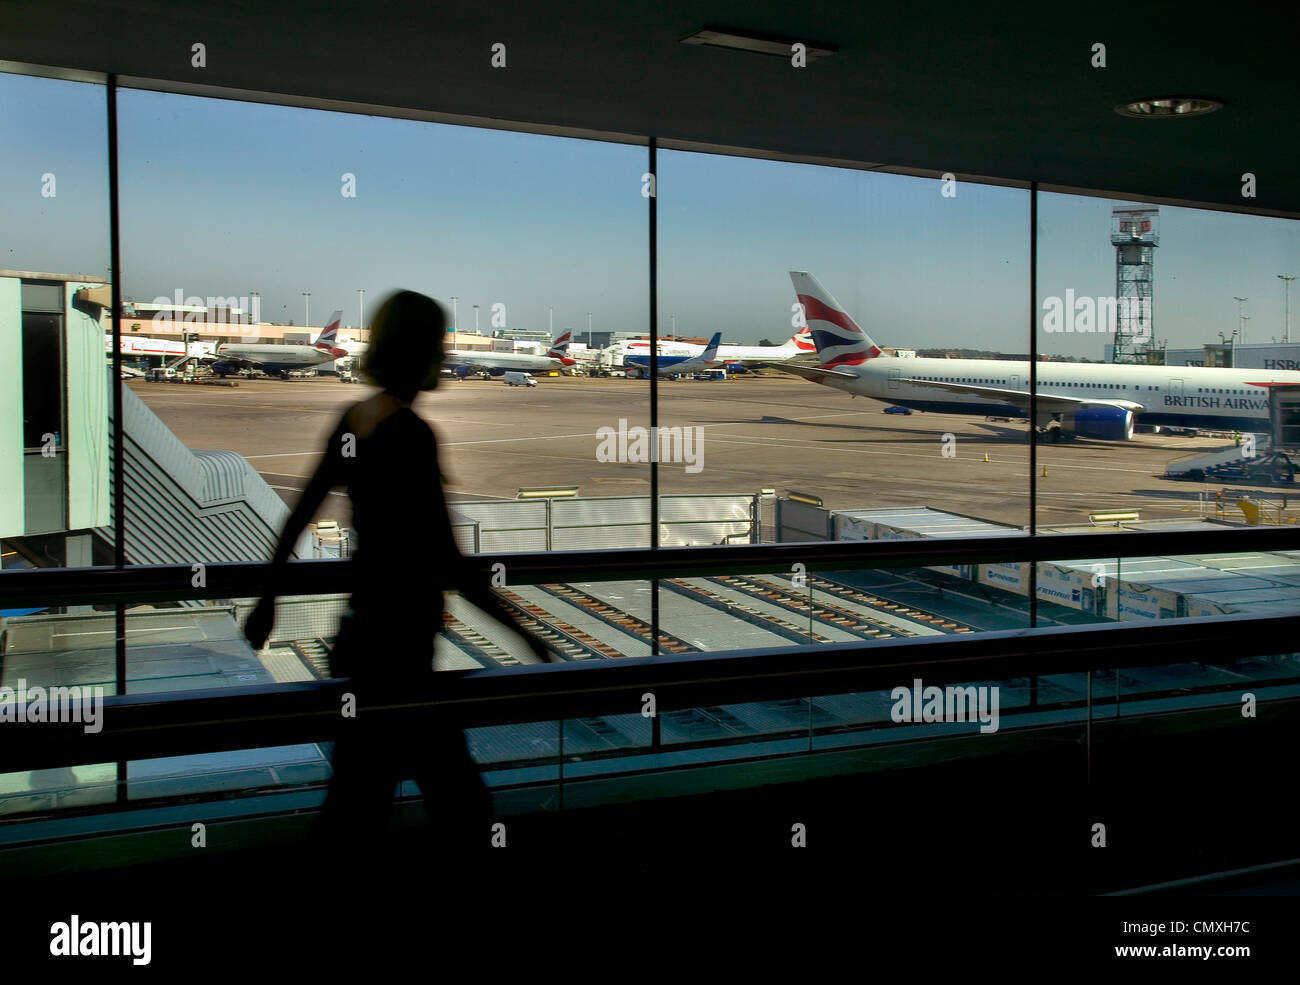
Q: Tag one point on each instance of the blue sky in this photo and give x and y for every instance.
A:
(224, 198)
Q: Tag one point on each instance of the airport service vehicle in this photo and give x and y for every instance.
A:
(514, 378)
(1074, 399)
(281, 360)
(466, 362)
(1275, 469)
(895, 409)
(639, 365)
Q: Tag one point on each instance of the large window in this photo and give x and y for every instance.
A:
(870, 383)
(1163, 334)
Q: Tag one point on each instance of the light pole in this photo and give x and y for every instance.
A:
(307, 315)
(361, 308)
(475, 319)
(1241, 318)
(588, 329)
(255, 303)
(1286, 279)
(550, 314)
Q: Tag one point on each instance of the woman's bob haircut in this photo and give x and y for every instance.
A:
(405, 352)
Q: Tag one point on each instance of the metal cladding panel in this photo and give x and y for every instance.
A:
(86, 393)
(11, 409)
(189, 507)
(510, 541)
(673, 509)
(802, 521)
(602, 537)
(607, 522)
(299, 617)
(464, 537)
(597, 511)
(498, 514)
(221, 475)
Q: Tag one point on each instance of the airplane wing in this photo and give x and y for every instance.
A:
(814, 373)
(1049, 402)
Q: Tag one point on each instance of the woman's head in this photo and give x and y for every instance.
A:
(405, 352)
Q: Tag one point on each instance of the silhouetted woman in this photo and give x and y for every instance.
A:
(387, 457)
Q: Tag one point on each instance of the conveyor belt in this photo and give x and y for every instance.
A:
(668, 643)
(795, 601)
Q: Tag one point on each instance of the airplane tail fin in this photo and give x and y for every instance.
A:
(710, 353)
(839, 340)
(329, 335)
(801, 340)
(560, 349)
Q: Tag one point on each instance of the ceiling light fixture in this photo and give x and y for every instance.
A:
(762, 44)
(1168, 106)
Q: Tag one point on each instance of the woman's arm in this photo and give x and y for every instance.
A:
(478, 592)
(326, 477)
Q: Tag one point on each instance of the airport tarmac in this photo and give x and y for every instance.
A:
(756, 432)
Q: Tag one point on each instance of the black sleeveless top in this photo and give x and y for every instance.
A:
(404, 542)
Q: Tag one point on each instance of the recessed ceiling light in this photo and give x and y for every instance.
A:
(763, 44)
(1168, 106)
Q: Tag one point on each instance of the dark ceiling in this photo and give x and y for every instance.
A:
(970, 88)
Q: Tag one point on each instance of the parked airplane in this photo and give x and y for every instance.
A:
(799, 344)
(274, 358)
(639, 365)
(1084, 399)
(464, 362)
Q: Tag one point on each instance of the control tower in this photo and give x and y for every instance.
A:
(1134, 234)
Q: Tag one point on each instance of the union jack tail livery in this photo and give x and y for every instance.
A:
(803, 340)
(839, 340)
(327, 341)
(560, 349)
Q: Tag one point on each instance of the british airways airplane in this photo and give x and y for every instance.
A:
(672, 365)
(465, 362)
(272, 358)
(798, 346)
(1090, 400)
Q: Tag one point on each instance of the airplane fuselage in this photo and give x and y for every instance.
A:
(673, 365)
(1181, 396)
(271, 358)
(726, 353)
(499, 362)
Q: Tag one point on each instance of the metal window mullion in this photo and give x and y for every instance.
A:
(119, 463)
(654, 386)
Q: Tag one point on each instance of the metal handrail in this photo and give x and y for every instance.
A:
(149, 583)
(172, 724)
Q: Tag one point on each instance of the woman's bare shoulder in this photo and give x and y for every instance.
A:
(364, 417)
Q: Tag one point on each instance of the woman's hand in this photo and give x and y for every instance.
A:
(260, 622)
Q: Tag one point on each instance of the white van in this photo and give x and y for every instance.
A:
(514, 378)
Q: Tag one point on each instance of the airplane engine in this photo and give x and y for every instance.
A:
(223, 368)
(496, 371)
(1107, 423)
(462, 371)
